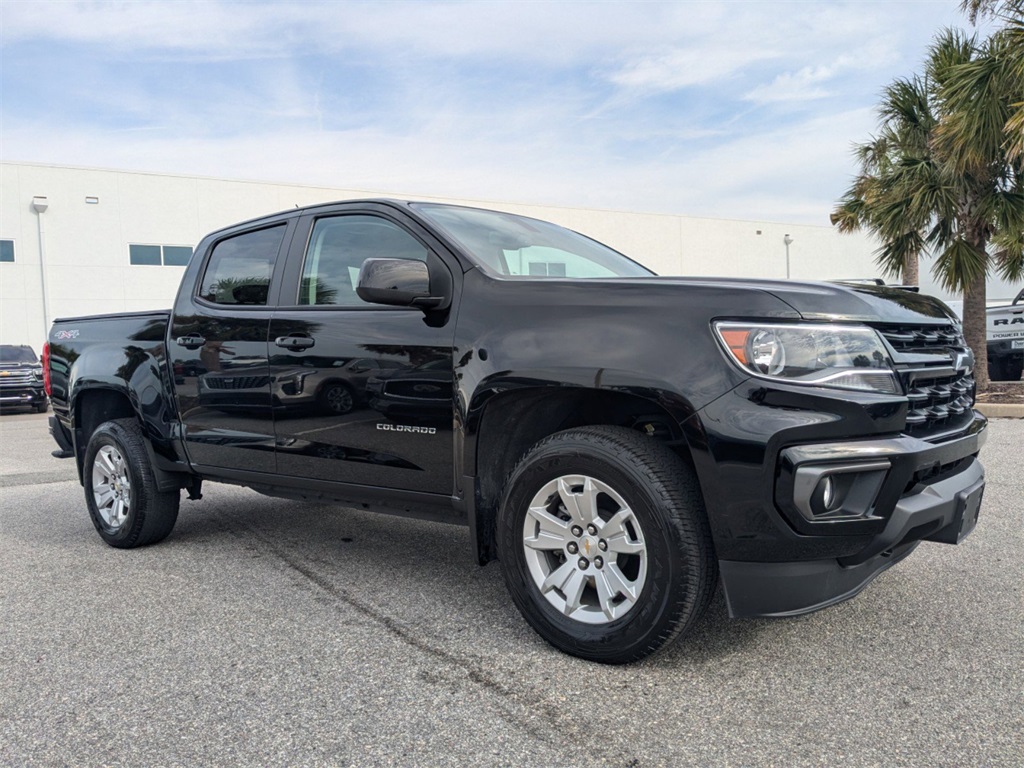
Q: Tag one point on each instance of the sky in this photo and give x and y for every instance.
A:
(737, 110)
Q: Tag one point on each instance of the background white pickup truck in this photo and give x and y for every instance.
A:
(1005, 329)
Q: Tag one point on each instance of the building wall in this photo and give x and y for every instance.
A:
(87, 269)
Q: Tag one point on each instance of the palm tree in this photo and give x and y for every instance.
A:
(1012, 13)
(941, 176)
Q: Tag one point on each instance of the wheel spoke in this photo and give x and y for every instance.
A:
(548, 522)
(118, 512)
(615, 523)
(582, 507)
(103, 494)
(573, 590)
(605, 594)
(623, 545)
(558, 578)
(618, 584)
(103, 459)
(545, 540)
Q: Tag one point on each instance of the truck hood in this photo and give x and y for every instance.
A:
(843, 302)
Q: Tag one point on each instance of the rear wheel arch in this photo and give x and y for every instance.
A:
(93, 407)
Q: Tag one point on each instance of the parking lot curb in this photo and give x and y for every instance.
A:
(1001, 410)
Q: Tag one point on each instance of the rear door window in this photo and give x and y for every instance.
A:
(240, 268)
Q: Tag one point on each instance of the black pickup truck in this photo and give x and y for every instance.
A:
(620, 442)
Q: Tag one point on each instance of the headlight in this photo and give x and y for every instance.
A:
(844, 357)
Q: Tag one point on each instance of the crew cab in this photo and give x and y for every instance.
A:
(621, 442)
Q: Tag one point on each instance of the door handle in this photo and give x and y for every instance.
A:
(294, 342)
(190, 342)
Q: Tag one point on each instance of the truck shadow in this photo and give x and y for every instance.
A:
(368, 558)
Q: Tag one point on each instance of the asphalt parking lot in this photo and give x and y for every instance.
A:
(266, 632)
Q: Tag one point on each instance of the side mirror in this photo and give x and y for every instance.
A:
(398, 282)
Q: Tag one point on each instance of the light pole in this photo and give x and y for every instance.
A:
(786, 239)
(39, 205)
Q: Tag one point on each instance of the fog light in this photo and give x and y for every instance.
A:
(833, 492)
(828, 493)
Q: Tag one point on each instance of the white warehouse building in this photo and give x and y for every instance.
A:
(76, 241)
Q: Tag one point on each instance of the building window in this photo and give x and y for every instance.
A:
(547, 269)
(6, 250)
(155, 255)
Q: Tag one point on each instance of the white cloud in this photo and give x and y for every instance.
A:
(671, 69)
(559, 103)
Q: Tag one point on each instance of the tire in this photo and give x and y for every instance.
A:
(1007, 368)
(116, 468)
(649, 513)
(337, 398)
(42, 407)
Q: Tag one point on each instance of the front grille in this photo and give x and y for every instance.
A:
(922, 338)
(17, 379)
(936, 368)
(237, 382)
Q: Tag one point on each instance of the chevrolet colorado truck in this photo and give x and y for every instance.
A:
(621, 442)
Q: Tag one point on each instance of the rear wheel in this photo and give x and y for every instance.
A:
(125, 506)
(604, 543)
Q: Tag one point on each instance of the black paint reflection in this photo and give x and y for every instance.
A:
(354, 410)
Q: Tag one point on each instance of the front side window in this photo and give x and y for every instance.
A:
(516, 246)
(240, 267)
(337, 248)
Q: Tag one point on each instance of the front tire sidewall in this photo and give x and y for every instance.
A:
(619, 640)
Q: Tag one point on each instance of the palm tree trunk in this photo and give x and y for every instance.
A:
(975, 329)
(911, 273)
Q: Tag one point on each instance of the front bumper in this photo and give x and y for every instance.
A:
(927, 492)
(22, 395)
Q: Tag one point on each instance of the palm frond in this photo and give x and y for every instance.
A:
(893, 254)
(959, 265)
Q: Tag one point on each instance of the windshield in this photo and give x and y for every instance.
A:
(505, 244)
(10, 353)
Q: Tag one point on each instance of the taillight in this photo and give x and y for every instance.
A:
(46, 370)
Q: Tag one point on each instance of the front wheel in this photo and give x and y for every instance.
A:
(124, 503)
(604, 543)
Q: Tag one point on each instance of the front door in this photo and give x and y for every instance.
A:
(362, 393)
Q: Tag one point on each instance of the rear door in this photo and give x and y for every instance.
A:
(218, 345)
(362, 393)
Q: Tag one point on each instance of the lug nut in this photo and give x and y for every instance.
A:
(592, 529)
(602, 545)
(584, 563)
(577, 531)
(573, 549)
(598, 562)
